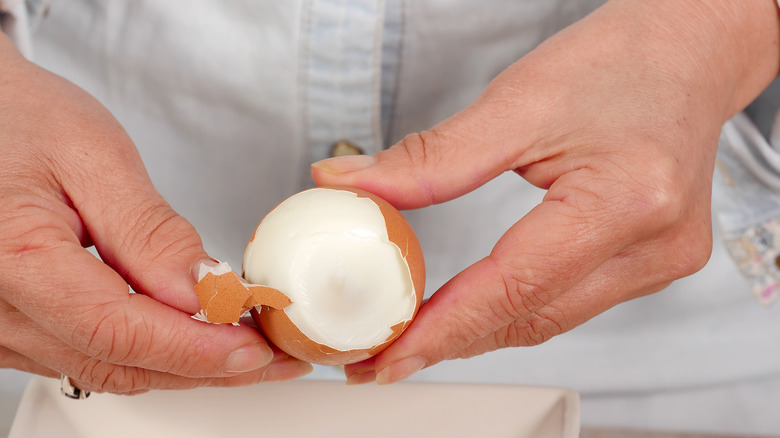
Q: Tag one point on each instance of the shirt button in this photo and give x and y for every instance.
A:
(344, 147)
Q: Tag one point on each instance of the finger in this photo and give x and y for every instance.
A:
(455, 157)
(133, 228)
(76, 297)
(640, 270)
(361, 372)
(615, 282)
(534, 262)
(538, 260)
(287, 368)
(34, 350)
(129, 381)
(84, 156)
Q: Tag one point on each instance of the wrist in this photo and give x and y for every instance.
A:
(664, 73)
(725, 50)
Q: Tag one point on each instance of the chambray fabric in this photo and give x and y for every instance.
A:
(341, 48)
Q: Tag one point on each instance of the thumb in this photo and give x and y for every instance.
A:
(154, 249)
(135, 231)
(453, 158)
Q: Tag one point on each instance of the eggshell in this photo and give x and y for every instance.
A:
(281, 331)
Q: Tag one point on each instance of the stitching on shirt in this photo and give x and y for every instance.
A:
(394, 95)
(304, 33)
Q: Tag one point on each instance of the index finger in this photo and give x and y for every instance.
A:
(84, 303)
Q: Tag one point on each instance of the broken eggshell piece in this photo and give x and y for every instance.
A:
(350, 264)
(225, 297)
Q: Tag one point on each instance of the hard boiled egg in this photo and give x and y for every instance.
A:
(351, 266)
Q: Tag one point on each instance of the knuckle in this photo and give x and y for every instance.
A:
(100, 376)
(541, 328)
(521, 296)
(102, 331)
(466, 327)
(29, 232)
(678, 219)
(693, 248)
(646, 201)
(662, 203)
(533, 330)
(698, 255)
(190, 358)
(417, 147)
(106, 333)
(419, 155)
(158, 232)
(526, 310)
(659, 194)
(665, 210)
(123, 380)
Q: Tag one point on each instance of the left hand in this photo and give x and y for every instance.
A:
(618, 117)
(71, 177)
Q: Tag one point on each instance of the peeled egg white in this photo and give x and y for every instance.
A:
(352, 267)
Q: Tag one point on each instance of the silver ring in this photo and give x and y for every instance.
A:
(70, 390)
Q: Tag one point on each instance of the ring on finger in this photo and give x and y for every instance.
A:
(70, 390)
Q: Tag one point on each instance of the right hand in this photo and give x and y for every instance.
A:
(618, 118)
(70, 177)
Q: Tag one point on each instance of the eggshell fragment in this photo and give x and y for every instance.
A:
(350, 263)
(266, 296)
(224, 297)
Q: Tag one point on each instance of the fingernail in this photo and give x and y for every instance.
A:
(361, 378)
(200, 268)
(249, 358)
(345, 164)
(287, 369)
(400, 370)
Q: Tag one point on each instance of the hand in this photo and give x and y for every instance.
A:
(618, 117)
(69, 177)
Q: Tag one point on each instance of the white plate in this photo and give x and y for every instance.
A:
(304, 408)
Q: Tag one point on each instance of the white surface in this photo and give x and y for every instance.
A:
(305, 408)
(735, 409)
(12, 384)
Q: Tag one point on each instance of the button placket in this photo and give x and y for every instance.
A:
(340, 78)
